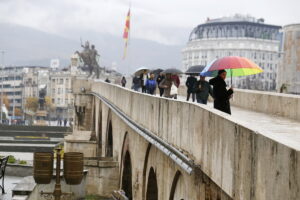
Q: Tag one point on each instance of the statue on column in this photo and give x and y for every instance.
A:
(89, 58)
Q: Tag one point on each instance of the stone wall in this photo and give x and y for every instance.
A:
(78, 191)
(283, 105)
(245, 164)
(18, 170)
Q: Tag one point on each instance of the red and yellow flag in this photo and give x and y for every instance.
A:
(126, 33)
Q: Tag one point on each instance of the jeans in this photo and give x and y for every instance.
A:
(151, 91)
(202, 101)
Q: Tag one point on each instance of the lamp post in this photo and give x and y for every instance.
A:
(14, 92)
(2, 76)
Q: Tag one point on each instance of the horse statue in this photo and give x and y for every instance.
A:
(89, 58)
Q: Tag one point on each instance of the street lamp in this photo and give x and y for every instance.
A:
(2, 76)
(14, 91)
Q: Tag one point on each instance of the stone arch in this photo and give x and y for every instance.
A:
(99, 131)
(109, 137)
(127, 176)
(93, 124)
(152, 188)
(145, 170)
(174, 186)
(125, 147)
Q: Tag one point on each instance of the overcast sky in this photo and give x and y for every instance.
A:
(164, 21)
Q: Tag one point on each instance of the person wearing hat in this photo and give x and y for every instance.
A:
(220, 93)
(203, 90)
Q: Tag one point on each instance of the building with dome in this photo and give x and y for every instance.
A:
(237, 36)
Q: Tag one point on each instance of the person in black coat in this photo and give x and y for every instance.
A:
(190, 84)
(221, 94)
(158, 80)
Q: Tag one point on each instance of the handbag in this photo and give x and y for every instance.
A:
(174, 90)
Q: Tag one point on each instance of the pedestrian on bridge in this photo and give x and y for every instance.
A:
(190, 84)
(144, 77)
(169, 85)
(136, 83)
(203, 90)
(123, 81)
(151, 85)
(220, 93)
(159, 80)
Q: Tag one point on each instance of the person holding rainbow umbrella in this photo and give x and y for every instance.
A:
(232, 66)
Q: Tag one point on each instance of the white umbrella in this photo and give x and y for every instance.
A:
(141, 70)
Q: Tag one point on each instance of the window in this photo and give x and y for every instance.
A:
(58, 101)
(53, 91)
(61, 81)
(53, 100)
(58, 91)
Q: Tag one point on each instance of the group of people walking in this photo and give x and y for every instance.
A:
(198, 90)
(167, 84)
(201, 89)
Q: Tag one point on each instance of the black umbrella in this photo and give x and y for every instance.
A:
(172, 71)
(156, 71)
(195, 70)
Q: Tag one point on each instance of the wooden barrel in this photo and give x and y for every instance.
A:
(42, 167)
(73, 168)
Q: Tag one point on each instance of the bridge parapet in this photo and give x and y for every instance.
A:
(244, 163)
(273, 103)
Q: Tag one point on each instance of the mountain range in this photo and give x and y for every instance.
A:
(28, 46)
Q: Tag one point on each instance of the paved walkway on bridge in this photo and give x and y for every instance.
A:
(9, 184)
(283, 130)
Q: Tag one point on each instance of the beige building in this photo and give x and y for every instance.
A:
(60, 88)
(34, 79)
(289, 68)
(61, 93)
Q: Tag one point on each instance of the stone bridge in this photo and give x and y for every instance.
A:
(157, 148)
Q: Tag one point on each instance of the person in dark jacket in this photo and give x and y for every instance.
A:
(136, 83)
(158, 80)
(190, 84)
(203, 90)
(220, 93)
(123, 81)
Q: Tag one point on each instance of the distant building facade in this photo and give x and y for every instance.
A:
(237, 36)
(61, 88)
(34, 79)
(21, 82)
(11, 86)
(289, 68)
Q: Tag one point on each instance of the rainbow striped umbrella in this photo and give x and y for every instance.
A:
(233, 65)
